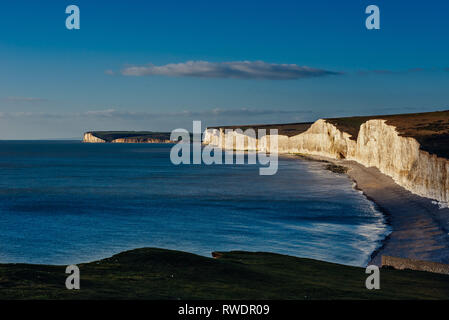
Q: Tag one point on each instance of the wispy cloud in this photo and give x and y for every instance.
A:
(118, 114)
(71, 124)
(25, 99)
(390, 72)
(236, 69)
(399, 72)
(112, 114)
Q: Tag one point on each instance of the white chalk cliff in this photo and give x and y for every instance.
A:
(378, 144)
(89, 137)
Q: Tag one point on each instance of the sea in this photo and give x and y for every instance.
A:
(67, 202)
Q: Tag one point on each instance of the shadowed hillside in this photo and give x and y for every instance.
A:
(164, 274)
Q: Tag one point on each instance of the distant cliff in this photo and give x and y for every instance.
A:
(126, 137)
(90, 137)
(389, 143)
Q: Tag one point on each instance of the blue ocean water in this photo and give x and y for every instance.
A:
(67, 202)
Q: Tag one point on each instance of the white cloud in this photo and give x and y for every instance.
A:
(236, 69)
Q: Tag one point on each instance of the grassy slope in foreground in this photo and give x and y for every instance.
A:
(163, 274)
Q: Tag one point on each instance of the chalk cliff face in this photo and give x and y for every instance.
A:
(89, 137)
(322, 138)
(378, 145)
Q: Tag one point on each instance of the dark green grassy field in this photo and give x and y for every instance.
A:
(163, 274)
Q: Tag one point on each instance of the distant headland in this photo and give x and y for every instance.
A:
(126, 137)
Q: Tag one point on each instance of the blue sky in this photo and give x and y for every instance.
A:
(145, 65)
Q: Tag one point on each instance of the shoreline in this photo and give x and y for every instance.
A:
(419, 226)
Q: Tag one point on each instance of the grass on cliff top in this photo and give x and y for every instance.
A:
(286, 129)
(164, 274)
(112, 135)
